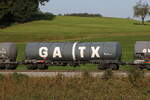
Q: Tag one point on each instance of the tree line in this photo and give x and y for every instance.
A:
(83, 15)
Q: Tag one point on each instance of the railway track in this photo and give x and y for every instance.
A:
(47, 73)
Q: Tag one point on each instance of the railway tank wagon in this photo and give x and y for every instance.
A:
(142, 54)
(104, 54)
(8, 55)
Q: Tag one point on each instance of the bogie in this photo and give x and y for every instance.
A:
(2, 67)
(42, 66)
(108, 66)
(10, 66)
(31, 67)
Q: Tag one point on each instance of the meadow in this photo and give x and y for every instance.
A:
(84, 29)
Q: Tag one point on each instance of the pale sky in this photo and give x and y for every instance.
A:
(109, 8)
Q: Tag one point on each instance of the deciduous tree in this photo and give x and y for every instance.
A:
(19, 10)
(141, 10)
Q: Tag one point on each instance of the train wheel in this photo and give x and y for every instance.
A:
(64, 64)
(10, 67)
(14, 66)
(100, 67)
(114, 66)
(2, 67)
(42, 67)
(31, 67)
(140, 67)
(147, 67)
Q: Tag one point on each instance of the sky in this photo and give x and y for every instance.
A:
(108, 8)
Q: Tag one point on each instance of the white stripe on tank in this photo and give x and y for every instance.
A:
(73, 51)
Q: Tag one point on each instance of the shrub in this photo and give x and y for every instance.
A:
(136, 77)
(86, 75)
(19, 77)
(9, 19)
(42, 16)
(1, 77)
(108, 74)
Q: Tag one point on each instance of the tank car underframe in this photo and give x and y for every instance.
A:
(101, 64)
(8, 64)
(43, 64)
(34, 64)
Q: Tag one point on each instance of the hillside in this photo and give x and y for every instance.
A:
(74, 28)
(66, 28)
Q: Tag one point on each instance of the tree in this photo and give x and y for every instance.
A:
(141, 10)
(18, 10)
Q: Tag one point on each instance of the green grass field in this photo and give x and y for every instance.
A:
(63, 28)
